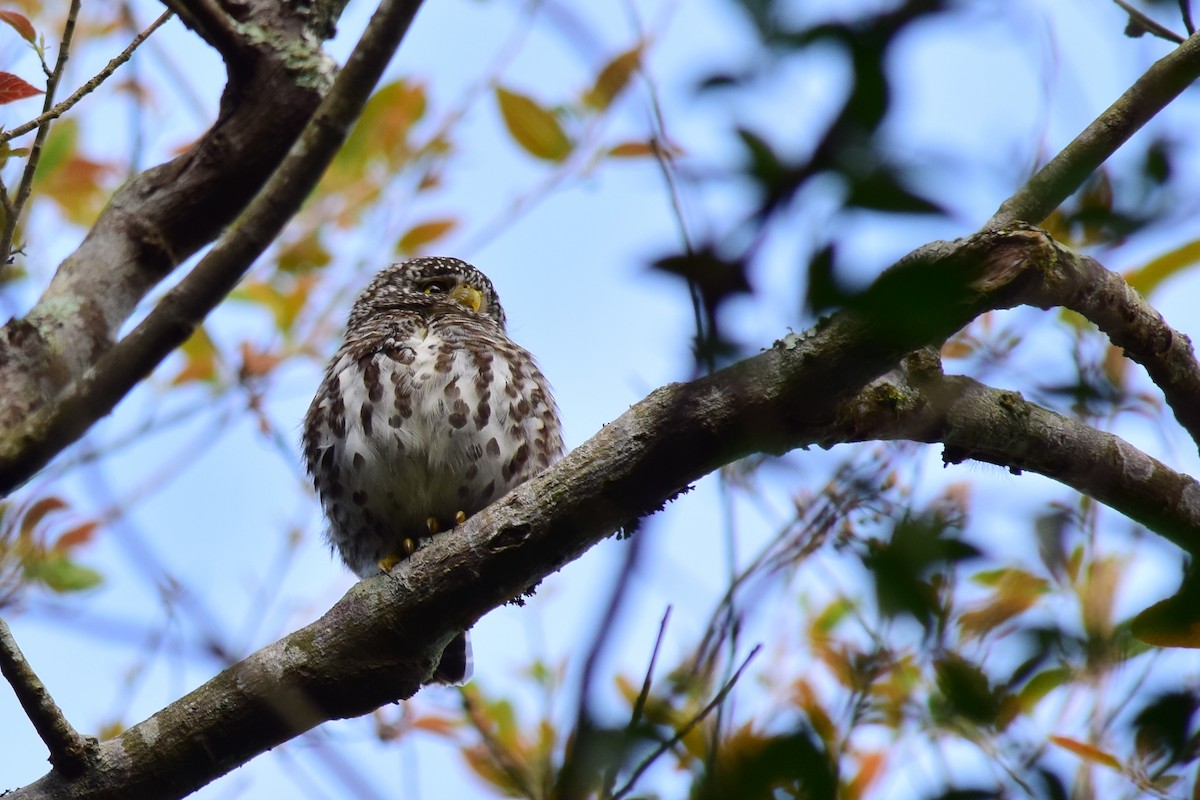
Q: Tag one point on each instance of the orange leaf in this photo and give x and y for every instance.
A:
(870, 767)
(534, 128)
(613, 79)
(80, 534)
(631, 150)
(424, 233)
(39, 511)
(14, 88)
(21, 24)
(1087, 752)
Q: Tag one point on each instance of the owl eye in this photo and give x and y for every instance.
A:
(438, 286)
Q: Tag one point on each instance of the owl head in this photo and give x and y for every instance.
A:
(428, 286)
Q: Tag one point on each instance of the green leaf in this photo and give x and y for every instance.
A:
(63, 575)
(532, 127)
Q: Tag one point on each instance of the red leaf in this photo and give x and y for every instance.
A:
(13, 88)
(21, 24)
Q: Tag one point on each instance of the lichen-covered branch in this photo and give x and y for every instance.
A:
(1082, 284)
(974, 421)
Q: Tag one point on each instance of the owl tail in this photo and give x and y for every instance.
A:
(456, 665)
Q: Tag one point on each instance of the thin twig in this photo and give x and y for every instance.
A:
(639, 705)
(1067, 171)
(13, 214)
(569, 779)
(89, 87)
(70, 752)
(1140, 24)
(686, 729)
(503, 758)
(1185, 8)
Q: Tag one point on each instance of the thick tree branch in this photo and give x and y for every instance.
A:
(974, 421)
(163, 215)
(1082, 284)
(70, 753)
(378, 643)
(49, 429)
(1067, 171)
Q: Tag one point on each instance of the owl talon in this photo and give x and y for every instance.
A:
(459, 518)
(433, 525)
(409, 547)
(387, 563)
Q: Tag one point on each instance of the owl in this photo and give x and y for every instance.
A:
(427, 413)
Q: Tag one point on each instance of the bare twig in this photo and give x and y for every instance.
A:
(1067, 171)
(571, 779)
(89, 87)
(1140, 23)
(500, 753)
(1185, 8)
(15, 205)
(639, 705)
(70, 752)
(682, 732)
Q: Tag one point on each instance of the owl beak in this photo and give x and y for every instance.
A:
(467, 295)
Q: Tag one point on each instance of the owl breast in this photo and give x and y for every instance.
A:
(423, 426)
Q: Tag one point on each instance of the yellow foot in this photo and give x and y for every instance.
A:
(389, 562)
(459, 518)
(433, 525)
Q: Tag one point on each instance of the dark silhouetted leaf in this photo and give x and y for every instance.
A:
(966, 692)
(1164, 725)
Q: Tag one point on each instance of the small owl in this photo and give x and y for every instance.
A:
(428, 412)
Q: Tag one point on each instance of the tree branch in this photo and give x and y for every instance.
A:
(164, 214)
(1083, 285)
(70, 753)
(46, 431)
(380, 641)
(1000, 427)
(90, 86)
(1067, 171)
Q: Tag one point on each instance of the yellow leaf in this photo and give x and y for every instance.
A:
(613, 79)
(534, 128)
(1087, 752)
(200, 358)
(381, 134)
(1147, 278)
(424, 233)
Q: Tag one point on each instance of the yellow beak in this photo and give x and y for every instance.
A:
(467, 295)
